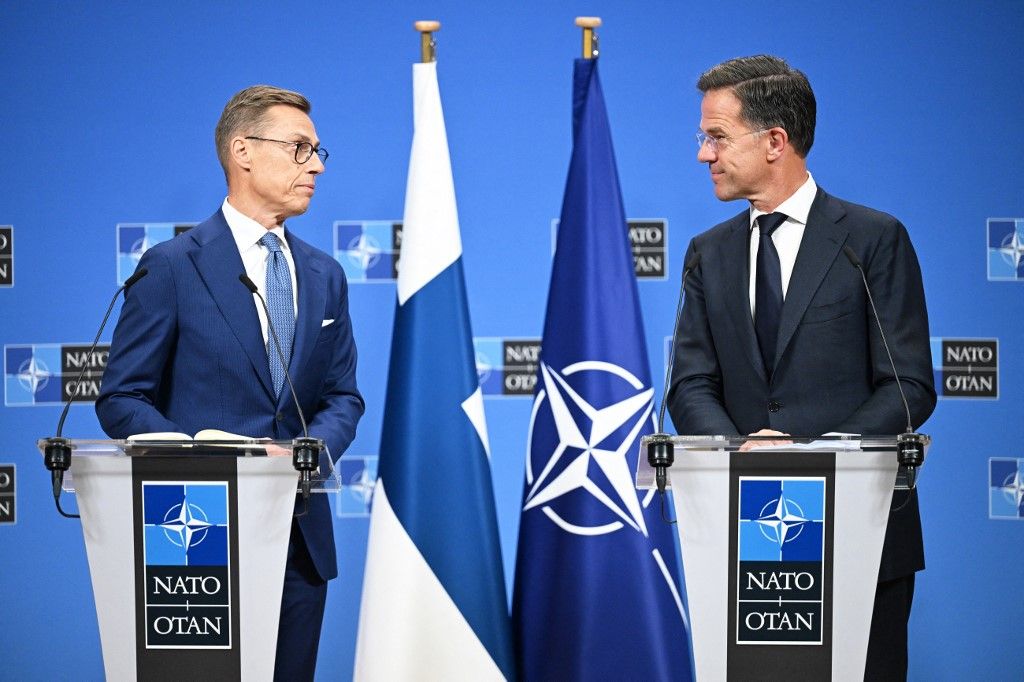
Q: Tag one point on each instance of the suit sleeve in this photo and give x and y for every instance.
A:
(894, 275)
(143, 341)
(339, 405)
(695, 394)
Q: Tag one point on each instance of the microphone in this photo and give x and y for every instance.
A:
(305, 450)
(57, 451)
(660, 452)
(909, 445)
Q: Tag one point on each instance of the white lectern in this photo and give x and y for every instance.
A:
(187, 542)
(781, 547)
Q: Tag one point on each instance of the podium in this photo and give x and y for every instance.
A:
(187, 543)
(781, 547)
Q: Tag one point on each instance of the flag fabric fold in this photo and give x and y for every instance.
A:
(434, 603)
(596, 588)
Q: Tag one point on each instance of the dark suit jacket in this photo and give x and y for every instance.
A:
(188, 354)
(832, 373)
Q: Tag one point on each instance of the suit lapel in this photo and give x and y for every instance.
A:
(219, 264)
(820, 245)
(312, 305)
(736, 259)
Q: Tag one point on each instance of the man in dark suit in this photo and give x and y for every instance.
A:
(777, 336)
(191, 347)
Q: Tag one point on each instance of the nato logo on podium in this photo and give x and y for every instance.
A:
(781, 530)
(186, 544)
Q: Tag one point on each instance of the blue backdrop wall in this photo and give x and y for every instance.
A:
(107, 119)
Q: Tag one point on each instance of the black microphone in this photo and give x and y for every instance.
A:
(57, 451)
(305, 450)
(909, 445)
(660, 452)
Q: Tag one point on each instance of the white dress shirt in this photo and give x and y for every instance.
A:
(247, 234)
(786, 236)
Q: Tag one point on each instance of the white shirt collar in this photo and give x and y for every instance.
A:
(797, 207)
(246, 231)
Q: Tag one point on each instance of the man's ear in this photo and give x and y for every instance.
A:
(240, 149)
(778, 140)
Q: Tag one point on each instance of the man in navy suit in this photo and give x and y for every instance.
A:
(191, 347)
(777, 336)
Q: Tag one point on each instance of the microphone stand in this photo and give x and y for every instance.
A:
(57, 451)
(909, 444)
(660, 451)
(305, 450)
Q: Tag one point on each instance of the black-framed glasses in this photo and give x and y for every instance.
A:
(303, 150)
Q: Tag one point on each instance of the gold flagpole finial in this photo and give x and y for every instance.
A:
(428, 49)
(588, 24)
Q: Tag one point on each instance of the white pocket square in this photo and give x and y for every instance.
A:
(326, 322)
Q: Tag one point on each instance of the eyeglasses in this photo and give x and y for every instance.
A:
(303, 150)
(716, 142)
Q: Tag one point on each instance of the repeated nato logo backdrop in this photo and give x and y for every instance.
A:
(109, 122)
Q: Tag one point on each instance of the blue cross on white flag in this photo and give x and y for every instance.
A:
(434, 603)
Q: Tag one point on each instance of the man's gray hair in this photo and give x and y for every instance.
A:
(246, 113)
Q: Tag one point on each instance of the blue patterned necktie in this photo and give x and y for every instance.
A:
(768, 289)
(282, 309)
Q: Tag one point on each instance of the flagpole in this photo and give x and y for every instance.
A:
(428, 49)
(588, 24)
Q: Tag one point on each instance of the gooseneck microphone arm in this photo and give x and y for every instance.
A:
(139, 274)
(57, 451)
(244, 279)
(852, 257)
(660, 453)
(305, 450)
(909, 445)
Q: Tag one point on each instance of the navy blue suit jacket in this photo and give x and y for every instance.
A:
(832, 373)
(188, 354)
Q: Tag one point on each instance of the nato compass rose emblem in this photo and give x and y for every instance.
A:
(1005, 249)
(781, 521)
(358, 475)
(33, 375)
(185, 525)
(363, 251)
(139, 247)
(1006, 488)
(1012, 249)
(483, 367)
(361, 486)
(577, 453)
(1013, 488)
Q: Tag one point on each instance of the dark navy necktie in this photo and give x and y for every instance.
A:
(282, 308)
(768, 289)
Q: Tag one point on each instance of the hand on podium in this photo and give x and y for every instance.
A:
(752, 445)
(274, 450)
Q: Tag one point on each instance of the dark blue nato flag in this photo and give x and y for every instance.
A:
(596, 587)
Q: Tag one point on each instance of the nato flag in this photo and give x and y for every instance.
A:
(596, 589)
